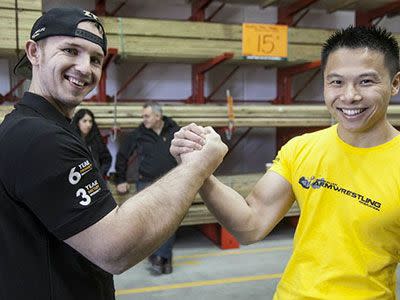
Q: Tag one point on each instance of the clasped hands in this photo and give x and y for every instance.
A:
(194, 142)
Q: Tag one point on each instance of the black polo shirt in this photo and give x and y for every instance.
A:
(49, 191)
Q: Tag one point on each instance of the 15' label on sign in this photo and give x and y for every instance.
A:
(264, 41)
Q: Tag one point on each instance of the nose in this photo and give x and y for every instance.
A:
(83, 65)
(351, 94)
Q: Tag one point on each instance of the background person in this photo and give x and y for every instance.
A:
(85, 124)
(151, 140)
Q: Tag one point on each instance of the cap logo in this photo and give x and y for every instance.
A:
(90, 15)
(37, 32)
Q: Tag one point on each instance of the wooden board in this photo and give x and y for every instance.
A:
(198, 212)
(188, 42)
(22, 4)
(129, 116)
(10, 41)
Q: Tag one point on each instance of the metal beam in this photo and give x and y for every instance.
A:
(117, 8)
(366, 18)
(198, 75)
(284, 81)
(130, 79)
(264, 4)
(198, 9)
(337, 5)
(232, 147)
(222, 83)
(215, 12)
(100, 8)
(101, 93)
(9, 95)
(287, 13)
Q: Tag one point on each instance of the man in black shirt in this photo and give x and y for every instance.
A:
(151, 140)
(61, 233)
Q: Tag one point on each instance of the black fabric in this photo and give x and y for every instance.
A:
(154, 157)
(64, 21)
(43, 202)
(101, 154)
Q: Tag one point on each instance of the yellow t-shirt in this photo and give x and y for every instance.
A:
(347, 240)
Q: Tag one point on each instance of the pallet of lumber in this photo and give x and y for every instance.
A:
(243, 184)
(21, 4)
(190, 42)
(174, 41)
(16, 20)
(198, 212)
(129, 116)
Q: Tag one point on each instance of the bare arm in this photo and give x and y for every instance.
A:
(133, 231)
(250, 219)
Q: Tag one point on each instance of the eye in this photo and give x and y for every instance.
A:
(335, 82)
(96, 60)
(366, 82)
(71, 51)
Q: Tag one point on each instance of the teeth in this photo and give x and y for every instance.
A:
(352, 112)
(76, 81)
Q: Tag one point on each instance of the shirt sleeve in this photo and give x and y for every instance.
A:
(283, 162)
(61, 186)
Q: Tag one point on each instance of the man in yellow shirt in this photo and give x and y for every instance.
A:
(347, 242)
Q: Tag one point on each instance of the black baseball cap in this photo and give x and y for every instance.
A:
(61, 22)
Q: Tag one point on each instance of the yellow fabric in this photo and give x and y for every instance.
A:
(347, 242)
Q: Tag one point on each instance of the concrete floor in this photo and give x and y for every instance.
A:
(203, 271)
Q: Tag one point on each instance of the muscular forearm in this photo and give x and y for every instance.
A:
(231, 210)
(143, 222)
(133, 231)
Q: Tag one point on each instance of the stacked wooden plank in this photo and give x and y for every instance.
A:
(198, 212)
(150, 40)
(16, 20)
(129, 116)
(184, 41)
(216, 115)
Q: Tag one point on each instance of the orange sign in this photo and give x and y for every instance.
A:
(264, 41)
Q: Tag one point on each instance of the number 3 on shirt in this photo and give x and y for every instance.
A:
(84, 195)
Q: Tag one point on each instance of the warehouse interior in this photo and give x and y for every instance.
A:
(187, 55)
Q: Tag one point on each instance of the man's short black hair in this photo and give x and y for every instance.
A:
(355, 37)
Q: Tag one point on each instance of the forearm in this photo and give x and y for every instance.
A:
(231, 210)
(133, 231)
(146, 220)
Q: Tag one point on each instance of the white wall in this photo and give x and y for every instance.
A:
(4, 77)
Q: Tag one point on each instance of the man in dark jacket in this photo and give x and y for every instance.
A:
(151, 141)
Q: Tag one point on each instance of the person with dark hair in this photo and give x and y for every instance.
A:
(151, 140)
(62, 235)
(85, 125)
(347, 240)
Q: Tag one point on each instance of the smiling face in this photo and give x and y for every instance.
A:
(357, 91)
(65, 69)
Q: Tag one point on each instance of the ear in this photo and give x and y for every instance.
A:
(395, 84)
(32, 51)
